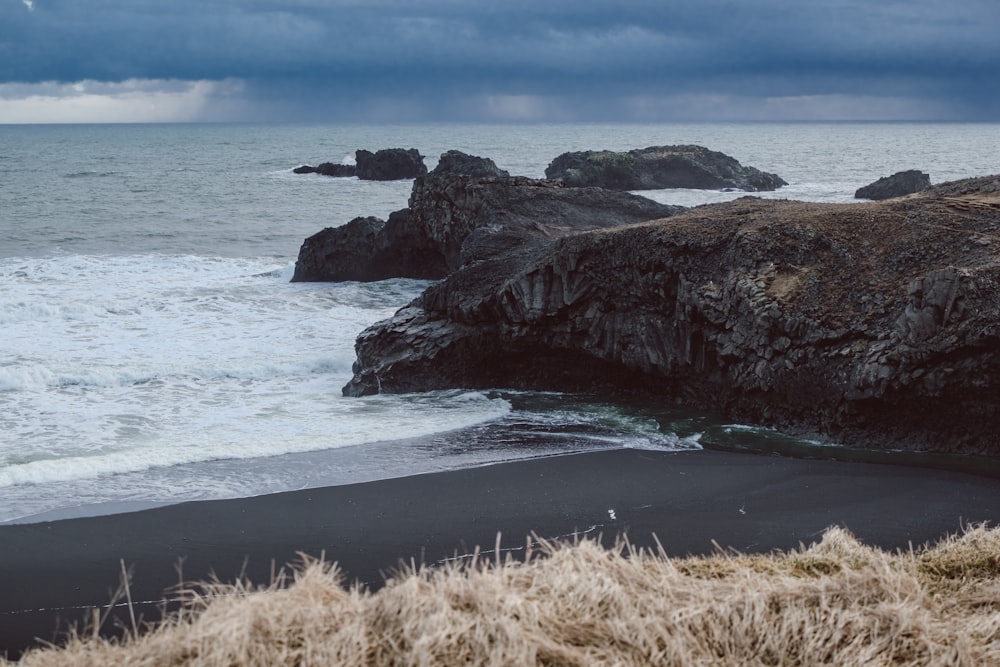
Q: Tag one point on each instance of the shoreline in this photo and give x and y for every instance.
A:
(692, 502)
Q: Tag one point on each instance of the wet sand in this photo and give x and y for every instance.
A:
(692, 501)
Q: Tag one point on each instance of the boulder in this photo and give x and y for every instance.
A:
(453, 220)
(327, 169)
(457, 162)
(900, 184)
(390, 164)
(873, 324)
(660, 167)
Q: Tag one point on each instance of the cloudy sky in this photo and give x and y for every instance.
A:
(498, 60)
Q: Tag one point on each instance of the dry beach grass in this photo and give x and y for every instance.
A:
(834, 602)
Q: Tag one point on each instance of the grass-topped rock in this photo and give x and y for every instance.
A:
(660, 167)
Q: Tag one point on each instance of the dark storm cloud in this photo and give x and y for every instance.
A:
(437, 51)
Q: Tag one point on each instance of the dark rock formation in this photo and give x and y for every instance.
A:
(390, 164)
(900, 184)
(338, 170)
(457, 162)
(327, 169)
(660, 167)
(453, 220)
(875, 324)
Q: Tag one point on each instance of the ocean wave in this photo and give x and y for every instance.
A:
(565, 417)
(283, 273)
(383, 418)
(33, 376)
(90, 174)
(764, 434)
(664, 441)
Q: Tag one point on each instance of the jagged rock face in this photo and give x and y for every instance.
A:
(453, 220)
(660, 167)
(873, 324)
(900, 184)
(367, 249)
(389, 164)
(476, 218)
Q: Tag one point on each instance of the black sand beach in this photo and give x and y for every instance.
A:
(50, 572)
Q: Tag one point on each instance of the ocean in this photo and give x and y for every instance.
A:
(155, 351)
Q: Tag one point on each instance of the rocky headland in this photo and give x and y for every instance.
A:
(873, 324)
(660, 167)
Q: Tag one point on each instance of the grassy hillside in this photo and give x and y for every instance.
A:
(836, 601)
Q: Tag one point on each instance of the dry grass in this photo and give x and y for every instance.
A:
(835, 602)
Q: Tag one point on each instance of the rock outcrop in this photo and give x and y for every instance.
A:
(457, 162)
(900, 184)
(875, 324)
(455, 219)
(660, 167)
(328, 169)
(389, 164)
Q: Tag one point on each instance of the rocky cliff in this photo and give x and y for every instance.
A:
(875, 324)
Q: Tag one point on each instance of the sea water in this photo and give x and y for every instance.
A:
(153, 349)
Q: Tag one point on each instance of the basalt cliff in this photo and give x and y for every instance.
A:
(875, 324)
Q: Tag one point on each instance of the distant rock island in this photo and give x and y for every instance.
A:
(660, 167)
(389, 164)
(328, 169)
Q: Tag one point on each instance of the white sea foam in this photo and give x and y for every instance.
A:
(117, 364)
(665, 441)
(577, 422)
(247, 434)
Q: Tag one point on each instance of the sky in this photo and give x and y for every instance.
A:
(498, 61)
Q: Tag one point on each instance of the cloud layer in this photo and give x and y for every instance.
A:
(519, 60)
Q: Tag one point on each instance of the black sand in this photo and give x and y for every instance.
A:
(50, 571)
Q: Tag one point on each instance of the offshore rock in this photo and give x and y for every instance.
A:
(454, 219)
(900, 184)
(457, 162)
(660, 167)
(389, 164)
(328, 169)
(876, 324)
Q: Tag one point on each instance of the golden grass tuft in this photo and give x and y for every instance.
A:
(834, 602)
